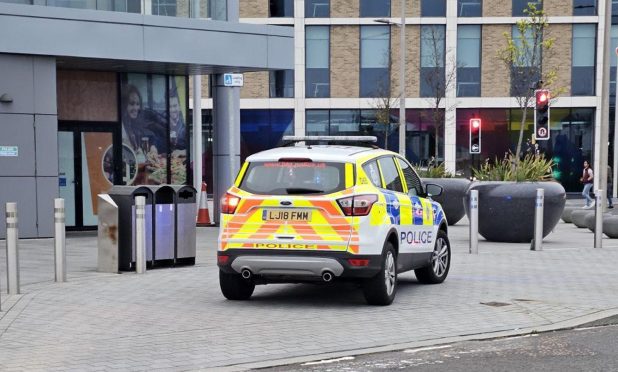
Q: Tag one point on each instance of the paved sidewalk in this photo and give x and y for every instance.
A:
(176, 319)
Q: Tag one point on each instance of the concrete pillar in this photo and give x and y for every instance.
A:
(299, 68)
(226, 125)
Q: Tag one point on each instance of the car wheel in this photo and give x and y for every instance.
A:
(235, 287)
(381, 289)
(440, 264)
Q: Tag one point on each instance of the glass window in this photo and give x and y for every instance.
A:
(281, 8)
(583, 67)
(432, 60)
(317, 8)
(344, 122)
(433, 8)
(390, 174)
(375, 61)
(317, 122)
(469, 61)
(294, 178)
(317, 73)
(412, 180)
(375, 8)
(469, 8)
(372, 171)
(520, 5)
(615, 12)
(282, 84)
(584, 7)
(263, 129)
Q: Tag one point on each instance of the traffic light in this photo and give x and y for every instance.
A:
(475, 136)
(541, 115)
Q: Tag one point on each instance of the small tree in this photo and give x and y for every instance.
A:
(523, 57)
(383, 105)
(436, 77)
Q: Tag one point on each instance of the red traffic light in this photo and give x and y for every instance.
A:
(542, 97)
(475, 123)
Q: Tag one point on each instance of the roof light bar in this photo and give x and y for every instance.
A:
(371, 139)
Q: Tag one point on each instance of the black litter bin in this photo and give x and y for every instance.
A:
(124, 197)
(165, 226)
(186, 215)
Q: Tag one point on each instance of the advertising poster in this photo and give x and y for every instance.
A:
(178, 130)
(144, 129)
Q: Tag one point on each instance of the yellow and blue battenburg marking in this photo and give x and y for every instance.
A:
(393, 207)
(438, 213)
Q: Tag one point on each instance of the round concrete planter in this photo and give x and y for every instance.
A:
(578, 217)
(506, 209)
(566, 215)
(610, 226)
(590, 220)
(450, 200)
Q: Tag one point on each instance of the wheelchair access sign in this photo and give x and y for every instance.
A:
(233, 80)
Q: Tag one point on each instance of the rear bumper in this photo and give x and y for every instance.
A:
(294, 264)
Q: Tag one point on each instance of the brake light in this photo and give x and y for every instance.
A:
(222, 260)
(229, 203)
(359, 205)
(358, 262)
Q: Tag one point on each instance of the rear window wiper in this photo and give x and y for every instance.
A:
(299, 190)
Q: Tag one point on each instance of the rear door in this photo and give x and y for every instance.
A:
(291, 205)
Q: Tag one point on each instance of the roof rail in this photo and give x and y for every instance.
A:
(288, 140)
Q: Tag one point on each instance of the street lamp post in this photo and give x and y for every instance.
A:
(402, 76)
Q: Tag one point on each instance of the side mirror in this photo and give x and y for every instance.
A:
(432, 189)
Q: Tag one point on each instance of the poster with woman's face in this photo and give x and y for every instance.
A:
(144, 129)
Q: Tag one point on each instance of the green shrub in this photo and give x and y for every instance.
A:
(433, 171)
(531, 168)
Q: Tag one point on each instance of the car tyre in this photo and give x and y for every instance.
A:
(437, 271)
(381, 289)
(235, 287)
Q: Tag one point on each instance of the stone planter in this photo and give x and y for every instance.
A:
(506, 209)
(578, 217)
(566, 215)
(450, 200)
(610, 227)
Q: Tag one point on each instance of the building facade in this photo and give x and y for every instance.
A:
(347, 56)
(95, 94)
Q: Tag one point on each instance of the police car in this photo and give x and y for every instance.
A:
(321, 213)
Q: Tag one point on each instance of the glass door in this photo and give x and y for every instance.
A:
(86, 169)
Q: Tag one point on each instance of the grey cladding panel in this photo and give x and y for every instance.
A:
(46, 127)
(45, 85)
(47, 191)
(280, 53)
(16, 79)
(18, 130)
(20, 190)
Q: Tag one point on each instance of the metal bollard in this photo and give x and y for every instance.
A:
(474, 222)
(598, 219)
(12, 253)
(140, 234)
(60, 257)
(537, 243)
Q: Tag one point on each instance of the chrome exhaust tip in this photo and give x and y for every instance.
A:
(327, 276)
(246, 273)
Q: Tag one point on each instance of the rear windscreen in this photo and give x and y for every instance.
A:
(294, 178)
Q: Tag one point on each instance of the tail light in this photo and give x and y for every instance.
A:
(359, 205)
(222, 260)
(229, 203)
(358, 262)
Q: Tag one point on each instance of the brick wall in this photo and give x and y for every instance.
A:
(559, 56)
(204, 86)
(497, 8)
(495, 75)
(412, 61)
(344, 61)
(253, 8)
(554, 8)
(344, 8)
(255, 85)
(413, 8)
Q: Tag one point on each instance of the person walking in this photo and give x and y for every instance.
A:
(586, 179)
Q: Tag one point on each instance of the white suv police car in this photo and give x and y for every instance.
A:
(320, 213)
